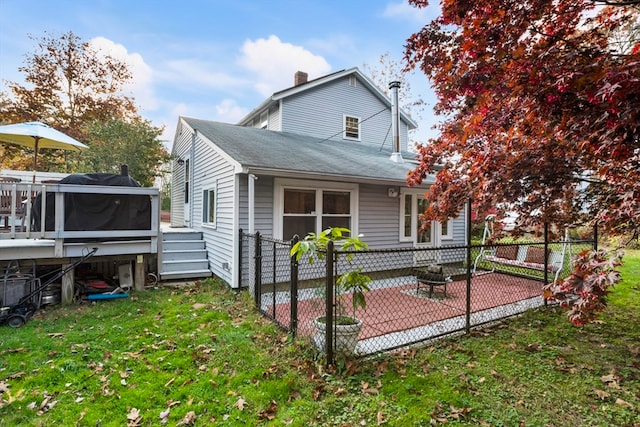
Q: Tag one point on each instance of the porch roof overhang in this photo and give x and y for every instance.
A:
(328, 177)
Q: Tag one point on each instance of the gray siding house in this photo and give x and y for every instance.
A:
(345, 105)
(302, 171)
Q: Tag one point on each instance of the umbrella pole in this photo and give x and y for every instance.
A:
(35, 158)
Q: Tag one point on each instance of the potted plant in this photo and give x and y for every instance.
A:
(350, 287)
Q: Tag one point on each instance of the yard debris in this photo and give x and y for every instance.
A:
(240, 404)
(188, 419)
(134, 419)
(164, 416)
(623, 403)
(270, 413)
(611, 381)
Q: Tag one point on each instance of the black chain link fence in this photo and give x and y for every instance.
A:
(416, 294)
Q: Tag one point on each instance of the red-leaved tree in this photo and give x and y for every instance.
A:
(541, 108)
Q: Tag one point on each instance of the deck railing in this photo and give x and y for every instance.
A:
(17, 212)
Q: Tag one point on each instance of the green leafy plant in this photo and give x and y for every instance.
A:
(352, 282)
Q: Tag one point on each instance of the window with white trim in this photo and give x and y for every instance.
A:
(301, 209)
(264, 120)
(209, 203)
(446, 230)
(412, 205)
(351, 128)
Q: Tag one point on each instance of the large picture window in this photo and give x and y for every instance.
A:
(309, 209)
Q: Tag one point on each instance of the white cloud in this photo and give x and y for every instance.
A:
(196, 74)
(403, 10)
(229, 111)
(275, 62)
(141, 84)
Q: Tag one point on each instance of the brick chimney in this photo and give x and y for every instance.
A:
(300, 78)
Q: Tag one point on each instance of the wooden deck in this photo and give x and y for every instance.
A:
(18, 240)
(21, 239)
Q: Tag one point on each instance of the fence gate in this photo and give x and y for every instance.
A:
(266, 271)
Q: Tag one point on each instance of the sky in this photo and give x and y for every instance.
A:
(219, 59)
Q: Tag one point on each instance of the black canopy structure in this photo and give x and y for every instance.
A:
(88, 211)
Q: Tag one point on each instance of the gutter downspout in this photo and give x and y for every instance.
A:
(192, 166)
(252, 193)
(396, 156)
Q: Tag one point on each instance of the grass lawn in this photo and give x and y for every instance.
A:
(200, 355)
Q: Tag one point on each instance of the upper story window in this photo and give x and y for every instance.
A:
(351, 127)
(264, 120)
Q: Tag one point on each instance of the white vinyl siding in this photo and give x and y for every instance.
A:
(320, 112)
(212, 170)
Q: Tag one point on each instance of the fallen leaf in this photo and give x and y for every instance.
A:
(240, 404)
(188, 419)
(134, 418)
(623, 403)
(164, 416)
(341, 391)
(133, 355)
(602, 395)
(533, 347)
(611, 381)
(269, 413)
(380, 418)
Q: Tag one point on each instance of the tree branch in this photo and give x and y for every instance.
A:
(618, 2)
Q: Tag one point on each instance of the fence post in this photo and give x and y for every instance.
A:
(258, 270)
(546, 253)
(467, 326)
(330, 257)
(294, 290)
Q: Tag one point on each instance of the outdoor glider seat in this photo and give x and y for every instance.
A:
(431, 275)
(524, 255)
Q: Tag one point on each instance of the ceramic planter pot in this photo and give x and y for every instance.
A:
(346, 335)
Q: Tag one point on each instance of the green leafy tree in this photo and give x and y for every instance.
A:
(116, 142)
(69, 85)
(540, 106)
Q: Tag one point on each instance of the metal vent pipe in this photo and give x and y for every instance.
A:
(396, 156)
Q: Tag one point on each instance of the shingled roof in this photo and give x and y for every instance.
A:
(261, 151)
